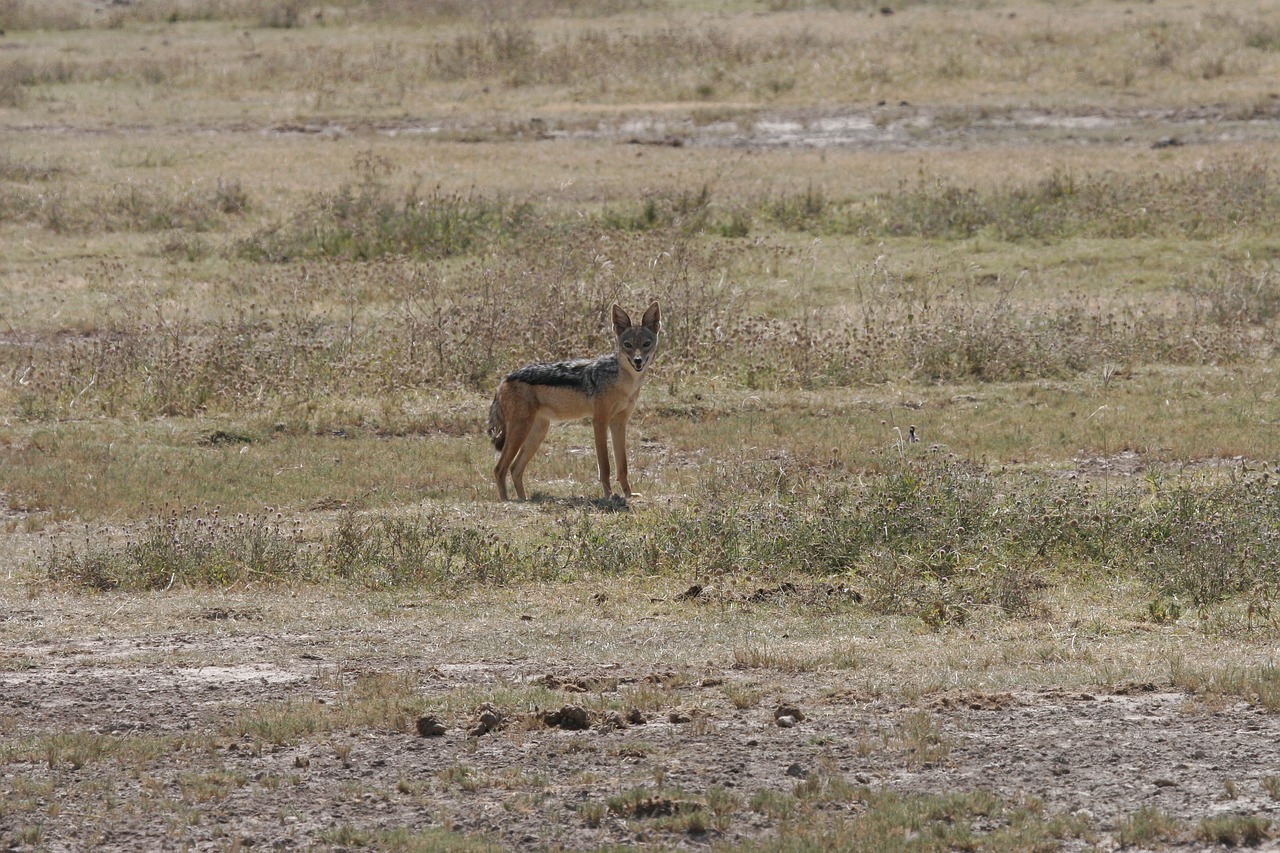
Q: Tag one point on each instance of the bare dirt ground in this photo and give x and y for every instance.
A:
(879, 127)
(182, 671)
(904, 126)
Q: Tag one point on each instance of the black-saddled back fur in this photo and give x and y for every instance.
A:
(588, 375)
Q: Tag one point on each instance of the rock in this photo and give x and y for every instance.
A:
(655, 807)
(430, 727)
(788, 710)
(571, 717)
(786, 721)
(490, 719)
(690, 593)
(796, 771)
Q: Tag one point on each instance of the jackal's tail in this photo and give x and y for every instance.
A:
(497, 426)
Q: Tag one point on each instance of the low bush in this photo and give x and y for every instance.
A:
(929, 536)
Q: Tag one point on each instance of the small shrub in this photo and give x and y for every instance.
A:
(282, 14)
(1147, 826)
(593, 813)
(366, 220)
(1210, 541)
(186, 548)
(774, 804)
(196, 548)
(1258, 684)
(1064, 204)
(1234, 830)
(385, 552)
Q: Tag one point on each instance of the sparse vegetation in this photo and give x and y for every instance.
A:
(1257, 684)
(966, 394)
(1148, 826)
(1234, 830)
(376, 700)
(928, 536)
(963, 820)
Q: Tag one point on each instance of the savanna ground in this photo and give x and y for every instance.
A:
(263, 263)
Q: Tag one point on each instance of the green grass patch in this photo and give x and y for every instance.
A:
(907, 822)
(1259, 684)
(368, 221)
(393, 701)
(1148, 826)
(77, 749)
(403, 840)
(927, 535)
(1235, 196)
(1234, 830)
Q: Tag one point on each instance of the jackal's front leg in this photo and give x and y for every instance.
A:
(601, 428)
(618, 428)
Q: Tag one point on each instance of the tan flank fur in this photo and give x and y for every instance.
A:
(604, 389)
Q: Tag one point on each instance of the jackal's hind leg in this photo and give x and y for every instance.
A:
(517, 431)
(532, 442)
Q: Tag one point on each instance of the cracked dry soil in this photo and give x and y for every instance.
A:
(528, 781)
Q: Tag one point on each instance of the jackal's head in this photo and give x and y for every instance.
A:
(637, 345)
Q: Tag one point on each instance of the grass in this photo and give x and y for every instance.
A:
(1148, 826)
(1256, 684)
(78, 749)
(968, 820)
(387, 701)
(430, 840)
(380, 59)
(926, 536)
(406, 326)
(1234, 830)
(247, 347)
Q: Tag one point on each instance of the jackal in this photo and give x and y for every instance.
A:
(604, 389)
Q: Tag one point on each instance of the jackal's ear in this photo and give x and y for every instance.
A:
(621, 320)
(652, 318)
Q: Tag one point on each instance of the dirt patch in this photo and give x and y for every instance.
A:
(883, 126)
(1112, 754)
(904, 126)
(1130, 463)
(528, 777)
(1126, 463)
